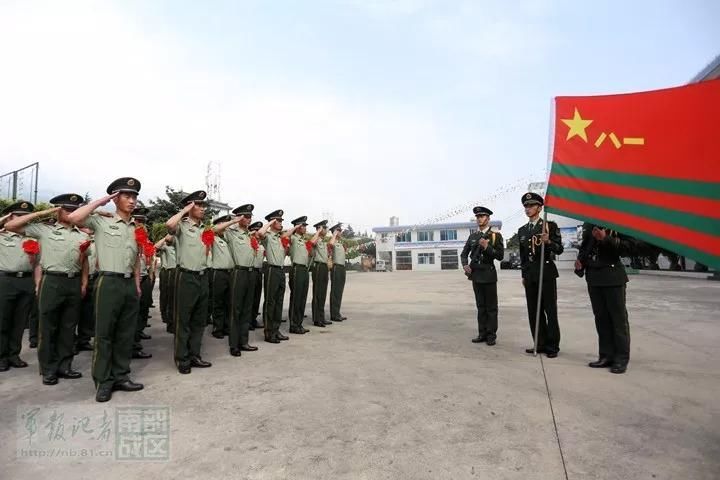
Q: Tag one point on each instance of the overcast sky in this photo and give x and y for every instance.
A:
(362, 108)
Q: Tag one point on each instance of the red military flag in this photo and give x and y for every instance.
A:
(646, 164)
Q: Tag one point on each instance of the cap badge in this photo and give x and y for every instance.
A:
(131, 182)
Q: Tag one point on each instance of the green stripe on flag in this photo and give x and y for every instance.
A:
(690, 221)
(711, 261)
(693, 188)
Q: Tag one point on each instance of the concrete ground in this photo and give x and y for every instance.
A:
(399, 392)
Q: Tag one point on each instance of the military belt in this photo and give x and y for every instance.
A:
(226, 270)
(194, 272)
(245, 269)
(15, 274)
(115, 274)
(61, 274)
(274, 266)
(299, 265)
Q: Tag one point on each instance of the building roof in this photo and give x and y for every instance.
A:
(709, 72)
(434, 226)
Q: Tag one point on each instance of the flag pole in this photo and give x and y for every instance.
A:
(540, 286)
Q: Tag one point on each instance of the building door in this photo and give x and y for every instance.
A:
(448, 260)
(403, 260)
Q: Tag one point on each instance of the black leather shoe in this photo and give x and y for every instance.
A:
(490, 341)
(103, 394)
(283, 320)
(272, 340)
(50, 380)
(337, 319)
(4, 365)
(248, 348)
(33, 344)
(144, 336)
(235, 352)
(298, 331)
(618, 368)
(139, 354)
(218, 335)
(478, 339)
(317, 324)
(304, 330)
(600, 363)
(69, 374)
(539, 350)
(84, 347)
(282, 337)
(128, 386)
(304, 316)
(343, 317)
(17, 362)
(199, 363)
(184, 369)
(551, 354)
(327, 322)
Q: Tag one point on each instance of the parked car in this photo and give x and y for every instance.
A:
(380, 266)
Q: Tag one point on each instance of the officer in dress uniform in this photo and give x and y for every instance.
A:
(192, 285)
(299, 276)
(272, 238)
(599, 260)
(337, 273)
(222, 272)
(64, 283)
(17, 289)
(146, 273)
(168, 262)
(319, 268)
(483, 247)
(258, 272)
(531, 236)
(86, 325)
(117, 291)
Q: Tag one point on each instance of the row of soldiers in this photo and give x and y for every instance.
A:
(95, 271)
(540, 243)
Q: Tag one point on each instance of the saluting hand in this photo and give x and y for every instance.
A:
(106, 199)
(188, 207)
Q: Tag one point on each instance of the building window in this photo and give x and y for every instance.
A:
(473, 230)
(403, 237)
(447, 235)
(403, 261)
(425, 236)
(426, 259)
(448, 260)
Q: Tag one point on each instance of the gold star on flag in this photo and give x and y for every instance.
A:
(577, 126)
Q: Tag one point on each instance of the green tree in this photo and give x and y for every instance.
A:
(513, 242)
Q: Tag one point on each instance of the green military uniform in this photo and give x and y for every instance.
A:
(299, 279)
(222, 272)
(606, 281)
(484, 276)
(258, 272)
(243, 283)
(337, 278)
(192, 292)
(143, 306)
(319, 268)
(16, 291)
(274, 282)
(86, 325)
(530, 238)
(59, 296)
(168, 262)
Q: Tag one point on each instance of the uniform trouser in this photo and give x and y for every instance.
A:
(242, 296)
(221, 299)
(274, 295)
(143, 309)
(209, 276)
(259, 275)
(337, 286)
(299, 286)
(320, 282)
(116, 310)
(170, 285)
(163, 276)
(59, 307)
(549, 334)
(486, 301)
(191, 307)
(33, 320)
(86, 325)
(16, 299)
(611, 322)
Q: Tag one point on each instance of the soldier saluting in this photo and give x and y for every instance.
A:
(599, 260)
(532, 236)
(483, 248)
(299, 275)
(272, 237)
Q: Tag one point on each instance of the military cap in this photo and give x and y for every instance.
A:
(482, 211)
(300, 221)
(246, 209)
(19, 208)
(255, 226)
(322, 224)
(532, 198)
(124, 184)
(198, 196)
(337, 226)
(223, 219)
(276, 214)
(140, 212)
(68, 201)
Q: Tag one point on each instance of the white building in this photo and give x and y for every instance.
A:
(424, 247)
